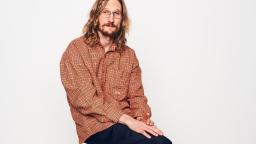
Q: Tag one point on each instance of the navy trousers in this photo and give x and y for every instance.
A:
(122, 134)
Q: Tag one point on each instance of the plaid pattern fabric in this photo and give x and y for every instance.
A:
(101, 86)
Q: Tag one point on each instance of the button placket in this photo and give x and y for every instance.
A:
(104, 66)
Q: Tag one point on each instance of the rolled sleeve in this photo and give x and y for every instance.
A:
(137, 99)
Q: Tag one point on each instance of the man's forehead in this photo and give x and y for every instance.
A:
(113, 5)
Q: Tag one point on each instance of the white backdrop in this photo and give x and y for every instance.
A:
(198, 62)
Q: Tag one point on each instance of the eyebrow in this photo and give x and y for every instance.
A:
(117, 10)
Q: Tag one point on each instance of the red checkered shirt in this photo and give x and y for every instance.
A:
(101, 86)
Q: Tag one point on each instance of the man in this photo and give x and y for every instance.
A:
(102, 79)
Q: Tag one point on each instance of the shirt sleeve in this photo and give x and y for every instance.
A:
(81, 93)
(137, 99)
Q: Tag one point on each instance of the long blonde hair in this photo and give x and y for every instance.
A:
(90, 28)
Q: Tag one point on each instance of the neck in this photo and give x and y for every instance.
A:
(105, 41)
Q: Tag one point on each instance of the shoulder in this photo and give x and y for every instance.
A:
(74, 45)
(129, 50)
(72, 49)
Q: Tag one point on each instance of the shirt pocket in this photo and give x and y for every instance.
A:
(117, 77)
(119, 92)
(117, 80)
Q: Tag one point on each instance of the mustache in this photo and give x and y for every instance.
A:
(110, 25)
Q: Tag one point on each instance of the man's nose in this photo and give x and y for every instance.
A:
(111, 18)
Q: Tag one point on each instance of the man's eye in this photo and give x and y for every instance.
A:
(117, 13)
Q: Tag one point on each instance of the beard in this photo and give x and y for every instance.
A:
(112, 34)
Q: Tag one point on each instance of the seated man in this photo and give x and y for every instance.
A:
(102, 78)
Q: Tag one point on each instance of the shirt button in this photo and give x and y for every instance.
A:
(117, 92)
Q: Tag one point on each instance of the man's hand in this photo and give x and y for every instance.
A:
(148, 121)
(139, 126)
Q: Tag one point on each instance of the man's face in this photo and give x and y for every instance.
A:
(110, 19)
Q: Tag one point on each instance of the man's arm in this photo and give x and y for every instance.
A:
(136, 97)
(81, 93)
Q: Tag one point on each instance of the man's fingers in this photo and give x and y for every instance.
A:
(150, 130)
(159, 129)
(145, 134)
(156, 130)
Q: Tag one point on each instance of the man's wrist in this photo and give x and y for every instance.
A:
(125, 119)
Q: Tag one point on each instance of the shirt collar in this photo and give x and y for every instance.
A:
(98, 45)
(112, 47)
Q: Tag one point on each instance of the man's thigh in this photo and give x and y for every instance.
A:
(122, 134)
